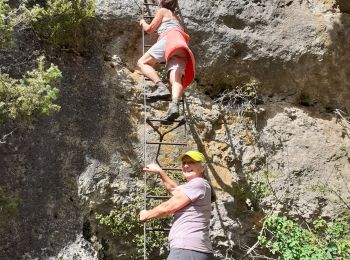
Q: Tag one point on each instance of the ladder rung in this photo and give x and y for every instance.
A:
(166, 143)
(158, 197)
(148, 16)
(158, 229)
(150, 4)
(159, 120)
(180, 101)
(147, 45)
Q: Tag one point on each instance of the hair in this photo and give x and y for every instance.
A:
(206, 177)
(169, 4)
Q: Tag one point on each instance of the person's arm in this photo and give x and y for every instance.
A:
(168, 182)
(178, 201)
(157, 20)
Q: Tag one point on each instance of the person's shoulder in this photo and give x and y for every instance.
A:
(198, 182)
(163, 10)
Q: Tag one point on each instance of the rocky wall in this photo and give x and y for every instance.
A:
(290, 155)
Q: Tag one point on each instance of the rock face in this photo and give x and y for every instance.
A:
(343, 5)
(294, 48)
(288, 153)
(297, 49)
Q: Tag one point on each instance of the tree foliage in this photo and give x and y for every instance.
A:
(61, 22)
(30, 97)
(6, 27)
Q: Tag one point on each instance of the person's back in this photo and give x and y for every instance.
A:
(169, 24)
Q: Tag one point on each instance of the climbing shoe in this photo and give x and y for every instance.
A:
(172, 113)
(162, 92)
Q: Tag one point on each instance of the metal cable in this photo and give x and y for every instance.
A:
(144, 139)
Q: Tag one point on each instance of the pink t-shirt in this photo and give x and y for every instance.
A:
(190, 228)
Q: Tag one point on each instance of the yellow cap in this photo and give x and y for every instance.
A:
(195, 155)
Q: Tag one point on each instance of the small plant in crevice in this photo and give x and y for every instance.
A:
(162, 73)
(260, 189)
(252, 192)
(305, 100)
(9, 202)
(241, 100)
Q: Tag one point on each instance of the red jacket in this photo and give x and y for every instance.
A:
(178, 39)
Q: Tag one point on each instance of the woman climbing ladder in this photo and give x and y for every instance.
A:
(171, 47)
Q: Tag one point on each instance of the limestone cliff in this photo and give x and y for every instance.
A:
(289, 152)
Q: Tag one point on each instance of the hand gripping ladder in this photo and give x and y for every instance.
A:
(155, 124)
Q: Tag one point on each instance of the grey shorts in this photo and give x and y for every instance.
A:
(158, 49)
(186, 254)
(177, 63)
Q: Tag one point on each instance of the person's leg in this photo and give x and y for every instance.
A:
(176, 67)
(145, 63)
(175, 79)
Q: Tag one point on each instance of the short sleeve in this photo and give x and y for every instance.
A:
(194, 189)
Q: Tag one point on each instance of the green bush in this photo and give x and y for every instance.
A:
(6, 27)
(61, 22)
(325, 241)
(123, 223)
(30, 97)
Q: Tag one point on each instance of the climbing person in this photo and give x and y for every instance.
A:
(171, 47)
(191, 206)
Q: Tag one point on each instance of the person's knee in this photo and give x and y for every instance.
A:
(140, 63)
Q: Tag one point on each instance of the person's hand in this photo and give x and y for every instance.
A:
(153, 167)
(143, 215)
(142, 21)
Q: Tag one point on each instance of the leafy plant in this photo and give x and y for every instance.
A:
(122, 221)
(288, 240)
(30, 97)
(162, 73)
(6, 26)
(61, 22)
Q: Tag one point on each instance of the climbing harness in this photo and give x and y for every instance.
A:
(157, 125)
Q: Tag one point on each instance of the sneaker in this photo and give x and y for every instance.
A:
(172, 113)
(162, 92)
